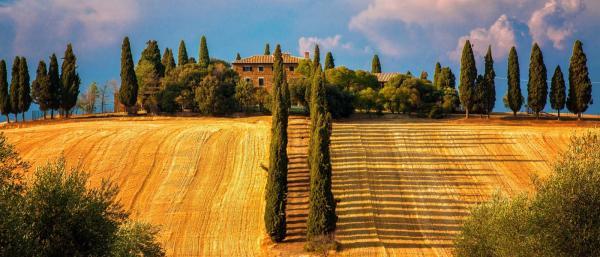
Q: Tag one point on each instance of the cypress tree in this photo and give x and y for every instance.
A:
(168, 61)
(192, 60)
(329, 61)
(436, 75)
(490, 84)
(276, 190)
(204, 58)
(238, 57)
(70, 81)
(557, 91)
(24, 87)
(424, 75)
(537, 87)
(54, 84)
(321, 213)
(468, 75)
(580, 86)
(5, 105)
(182, 57)
(40, 88)
(267, 49)
(375, 65)
(14, 87)
(514, 98)
(480, 95)
(151, 54)
(129, 85)
(317, 57)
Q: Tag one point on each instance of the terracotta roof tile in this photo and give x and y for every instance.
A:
(267, 59)
(385, 76)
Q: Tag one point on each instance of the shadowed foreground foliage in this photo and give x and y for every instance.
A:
(561, 219)
(58, 215)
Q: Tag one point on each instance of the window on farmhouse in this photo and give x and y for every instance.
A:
(292, 68)
(261, 82)
(247, 68)
(261, 68)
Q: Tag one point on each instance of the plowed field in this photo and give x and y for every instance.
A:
(404, 185)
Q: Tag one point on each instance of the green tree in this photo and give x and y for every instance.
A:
(70, 81)
(5, 105)
(267, 49)
(129, 84)
(329, 61)
(182, 57)
(424, 75)
(168, 61)
(490, 84)
(203, 57)
(238, 57)
(537, 87)
(316, 57)
(55, 86)
(375, 65)
(276, 189)
(557, 91)
(480, 96)
(468, 75)
(151, 54)
(244, 95)
(134, 239)
(14, 87)
(40, 88)
(436, 73)
(24, 88)
(321, 213)
(513, 98)
(580, 86)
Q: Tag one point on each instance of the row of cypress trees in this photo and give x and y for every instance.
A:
(480, 90)
(50, 91)
(128, 93)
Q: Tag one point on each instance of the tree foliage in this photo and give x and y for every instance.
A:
(537, 87)
(329, 61)
(513, 98)
(490, 84)
(14, 87)
(5, 106)
(436, 73)
(40, 88)
(129, 84)
(468, 75)
(558, 90)
(203, 57)
(70, 81)
(580, 86)
(267, 49)
(55, 85)
(168, 61)
(182, 56)
(375, 64)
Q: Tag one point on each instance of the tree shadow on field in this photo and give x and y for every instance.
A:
(403, 185)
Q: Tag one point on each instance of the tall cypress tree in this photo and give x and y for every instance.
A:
(182, 56)
(580, 85)
(54, 86)
(480, 96)
(5, 105)
(557, 91)
(316, 57)
(14, 87)
(238, 57)
(204, 58)
(151, 54)
(468, 75)
(70, 81)
(514, 98)
(168, 61)
(276, 190)
(375, 64)
(490, 84)
(24, 87)
(40, 88)
(329, 61)
(537, 87)
(321, 213)
(436, 75)
(129, 84)
(267, 49)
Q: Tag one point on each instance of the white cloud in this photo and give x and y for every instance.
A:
(553, 21)
(307, 44)
(48, 24)
(501, 36)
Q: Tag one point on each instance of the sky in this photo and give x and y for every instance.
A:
(408, 35)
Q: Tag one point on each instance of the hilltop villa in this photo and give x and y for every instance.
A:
(258, 69)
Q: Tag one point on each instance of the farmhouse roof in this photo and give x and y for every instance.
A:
(385, 76)
(268, 59)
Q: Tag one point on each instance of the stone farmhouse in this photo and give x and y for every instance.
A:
(258, 69)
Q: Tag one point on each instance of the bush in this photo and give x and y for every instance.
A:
(561, 219)
(339, 102)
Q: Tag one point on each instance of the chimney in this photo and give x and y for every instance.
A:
(306, 55)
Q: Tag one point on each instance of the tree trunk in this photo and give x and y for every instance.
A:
(44, 115)
(558, 114)
(578, 116)
(514, 113)
(7, 118)
(51, 114)
(537, 115)
(16, 117)
(23, 115)
(467, 112)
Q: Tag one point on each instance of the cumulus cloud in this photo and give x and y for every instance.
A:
(501, 36)
(48, 24)
(307, 44)
(553, 21)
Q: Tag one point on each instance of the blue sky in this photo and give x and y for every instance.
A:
(407, 35)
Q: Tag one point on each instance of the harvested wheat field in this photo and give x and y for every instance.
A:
(404, 185)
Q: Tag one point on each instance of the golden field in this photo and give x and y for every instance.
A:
(404, 185)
